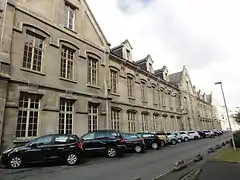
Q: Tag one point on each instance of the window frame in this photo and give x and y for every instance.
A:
(28, 109)
(68, 8)
(131, 121)
(143, 85)
(145, 125)
(115, 122)
(68, 49)
(111, 80)
(92, 114)
(130, 86)
(90, 69)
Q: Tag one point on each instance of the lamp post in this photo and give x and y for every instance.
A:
(229, 123)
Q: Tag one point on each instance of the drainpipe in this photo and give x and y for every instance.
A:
(106, 59)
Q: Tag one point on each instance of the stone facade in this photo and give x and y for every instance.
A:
(58, 74)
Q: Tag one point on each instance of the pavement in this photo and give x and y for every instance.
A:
(147, 166)
(213, 170)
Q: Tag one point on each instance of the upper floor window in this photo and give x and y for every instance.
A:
(144, 122)
(92, 71)
(70, 16)
(130, 86)
(115, 116)
(92, 116)
(67, 62)
(154, 94)
(150, 67)
(131, 121)
(33, 52)
(143, 91)
(128, 54)
(114, 80)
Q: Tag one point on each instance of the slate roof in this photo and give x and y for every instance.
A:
(175, 78)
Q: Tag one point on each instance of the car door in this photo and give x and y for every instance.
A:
(147, 139)
(60, 146)
(100, 141)
(45, 143)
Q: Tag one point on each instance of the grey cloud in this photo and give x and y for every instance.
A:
(129, 6)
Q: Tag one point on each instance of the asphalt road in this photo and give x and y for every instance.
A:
(147, 165)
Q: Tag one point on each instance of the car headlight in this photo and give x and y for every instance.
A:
(7, 151)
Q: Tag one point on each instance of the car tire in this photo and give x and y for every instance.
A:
(179, 140)
(174, 142)
(162, 143)
(155, 146)
(112, 152)
(72, 159)
(138, 149)
(15, 162)
(196, 138)
(186, 139)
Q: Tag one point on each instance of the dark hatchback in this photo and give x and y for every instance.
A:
(134, 142)
(202, 134)
(107, 142)
(151, 140)
(45, 148)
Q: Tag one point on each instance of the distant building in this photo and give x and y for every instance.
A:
(58, 74)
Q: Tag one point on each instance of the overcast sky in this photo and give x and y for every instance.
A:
(201, 34)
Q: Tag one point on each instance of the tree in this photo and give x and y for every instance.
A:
(237, 117)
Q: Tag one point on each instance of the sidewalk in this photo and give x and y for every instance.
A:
(214, 170)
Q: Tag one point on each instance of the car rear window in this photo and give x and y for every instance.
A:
(61, 140)
(148, 135)
(131, 136)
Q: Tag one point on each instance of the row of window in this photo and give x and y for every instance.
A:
(33, 59)
(29, 109)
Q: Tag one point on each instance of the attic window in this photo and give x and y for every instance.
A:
(70, 16)
(150, 67)
(128, 54)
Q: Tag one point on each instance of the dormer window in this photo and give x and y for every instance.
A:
(150, 67)
(128, 55)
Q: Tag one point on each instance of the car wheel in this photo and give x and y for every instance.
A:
(71, 159)
(186, 139)
(138, 149)
(111, 152)
(155, 146)
(162, 143)
(196, 138)
(179, 140)
(15, 162)
(174, 142)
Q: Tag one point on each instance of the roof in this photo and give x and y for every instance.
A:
(175, 78)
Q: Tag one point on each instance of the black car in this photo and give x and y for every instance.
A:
(202, 134)
(107, 142)
(151, 140)
(134, 142)
(44, 148)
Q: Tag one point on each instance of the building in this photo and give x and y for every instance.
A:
(58, 74)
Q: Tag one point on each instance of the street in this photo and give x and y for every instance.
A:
(147, 165)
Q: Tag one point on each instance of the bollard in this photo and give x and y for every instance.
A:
(223, 143)
(198, 157)
(210, 150)
(218, 146)
(179, 165)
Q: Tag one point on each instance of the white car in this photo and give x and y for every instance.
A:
(209, 133)
(172, 138)
(178, 136)
(194, 135)
(185, 136)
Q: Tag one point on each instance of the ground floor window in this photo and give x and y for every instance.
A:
(115, 119)
(92, 116)
(144, 122)
(65, 116)
(28, 115)
(131, 121)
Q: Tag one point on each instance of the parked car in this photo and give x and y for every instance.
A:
(217, 132)
(178, 136)
(151, 140)
(107, 142)
(172, 139)
(202, 134)
(134, 142)
(43, 149)
(209, 133)
(185, 136)
(194, 135)
(163, 137)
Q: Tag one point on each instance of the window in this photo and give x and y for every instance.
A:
(144, 122)
(33, 52)
(148, 135)
(61, 140)
(92, 71)
(154, 94)
(131, 121)
(92, 117)
(28, 115)
(89, 136)
(163, 99)
(44, 140)
(130, 86)
(170, 100)
(65, 116)
(67, 62)
(100, 135)
(143, 91)
(115, 119)
(70, 16)
(114, 80)
(155, 118)
(150, 67)
(128, 54)
(159, 98)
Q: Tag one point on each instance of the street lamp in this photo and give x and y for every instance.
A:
(220, 83)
